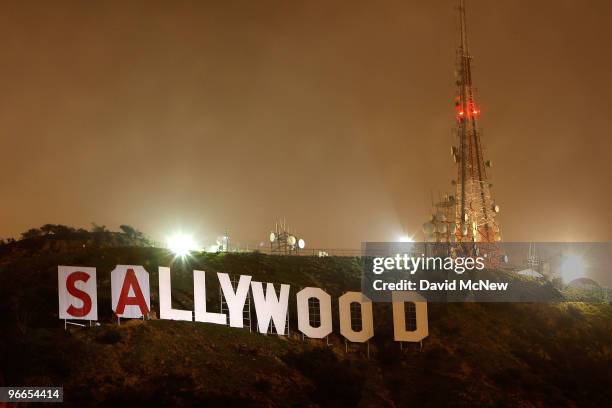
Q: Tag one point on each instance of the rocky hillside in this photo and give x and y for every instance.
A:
(476, 354)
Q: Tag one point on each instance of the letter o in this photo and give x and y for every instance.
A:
(367, 321)
(324, 310)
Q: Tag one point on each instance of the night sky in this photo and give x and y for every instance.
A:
(203, 116)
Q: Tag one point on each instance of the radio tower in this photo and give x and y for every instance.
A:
(469, 215)
(475, 209)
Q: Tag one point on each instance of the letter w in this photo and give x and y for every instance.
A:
(269, 307)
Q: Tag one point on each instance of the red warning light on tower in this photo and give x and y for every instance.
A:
(472, 110)
(475, 217)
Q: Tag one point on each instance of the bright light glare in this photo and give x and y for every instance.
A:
(213, 248)
(573, 267)
(405, 238)
(181, 244)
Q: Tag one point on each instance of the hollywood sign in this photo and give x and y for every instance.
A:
(131, 298)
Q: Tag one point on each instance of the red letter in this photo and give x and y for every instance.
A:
(77, 293)
(138, 298)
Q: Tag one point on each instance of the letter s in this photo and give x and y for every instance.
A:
(79, 294)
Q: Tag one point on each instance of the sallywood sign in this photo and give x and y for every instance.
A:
(131, 298)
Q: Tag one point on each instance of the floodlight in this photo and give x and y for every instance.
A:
(181, 244)
(572, 267)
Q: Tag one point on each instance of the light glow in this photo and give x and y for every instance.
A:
(181, 244)
(405, 238)
(213, 248)
(573, 267)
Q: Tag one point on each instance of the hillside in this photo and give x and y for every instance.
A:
(476, 354)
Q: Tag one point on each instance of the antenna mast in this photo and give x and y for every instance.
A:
(475, 209)
(471, 214)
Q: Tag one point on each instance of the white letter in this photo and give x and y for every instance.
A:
(377, 268)
(399, 317)
(324, 311)
(376, 284)
(165, 299)
(268, 306)
(235, 301)
(367, 322)
(199, 301)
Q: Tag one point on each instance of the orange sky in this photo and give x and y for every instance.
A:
(336, 115)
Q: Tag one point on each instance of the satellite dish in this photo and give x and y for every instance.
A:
(291, 240)
(428, 228)
(496, 208)
(440, 216)
(301, 243)
(272, 237)
(464, 230)
(465, 217)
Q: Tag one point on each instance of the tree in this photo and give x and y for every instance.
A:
(47, 229)
(130, 231)
(98, 228)
(56, 229)
(133, 233)
(31, 233)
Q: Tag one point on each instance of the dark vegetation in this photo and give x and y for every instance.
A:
(61, 238)
(130, 234)
(476, 354)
